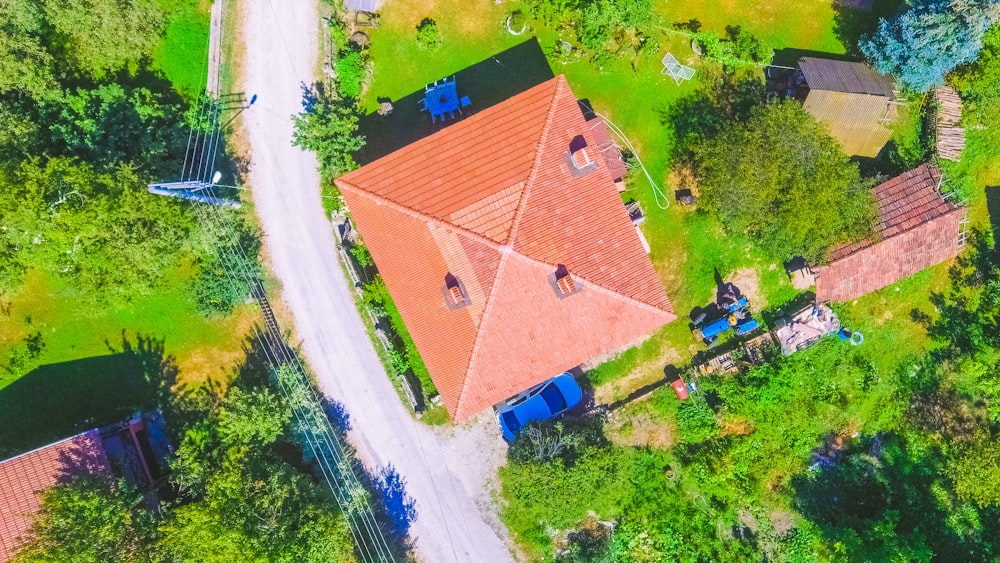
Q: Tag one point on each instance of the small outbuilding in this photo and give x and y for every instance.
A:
(856, 103)
(917, 228)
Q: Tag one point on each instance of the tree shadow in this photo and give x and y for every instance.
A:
(58, 400)
(486, 83)
(882, 493)
(400, 508)
(850, 24)
(702, 115)
(993, 209)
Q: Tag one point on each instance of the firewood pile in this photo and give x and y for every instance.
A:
(950, 137)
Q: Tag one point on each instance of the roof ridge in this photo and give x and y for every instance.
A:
(487, 307)
(533, 170)
(504, 249)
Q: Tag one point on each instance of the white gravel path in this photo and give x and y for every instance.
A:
(449, 472)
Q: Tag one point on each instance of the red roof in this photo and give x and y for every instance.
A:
(22, 478)
(492, 201)
(917, 228)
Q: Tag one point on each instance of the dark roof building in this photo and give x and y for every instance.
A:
(852, 100)
(917, 228)
(24, 477)
(505, 245)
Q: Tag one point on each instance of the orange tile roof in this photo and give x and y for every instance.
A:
(917, 228)
(22, 478)
(491, 200)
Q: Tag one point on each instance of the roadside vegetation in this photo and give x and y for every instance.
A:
(99, 279)
(837, 453)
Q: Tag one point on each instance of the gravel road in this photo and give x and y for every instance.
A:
(448, 472)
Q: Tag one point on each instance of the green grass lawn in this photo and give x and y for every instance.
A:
(183, 50)
(688, 248)
(82, 376)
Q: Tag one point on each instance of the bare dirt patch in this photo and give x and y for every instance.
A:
(641, 429)
(746, 279)
(736, 426)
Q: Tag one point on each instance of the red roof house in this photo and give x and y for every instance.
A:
(24, 477)
(507, 249)
(917, 228)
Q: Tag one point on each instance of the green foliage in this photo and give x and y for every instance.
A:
(621, 21)
(113, 123)
(240, 497)
(977, 473)
(329, 128)
(428, 36)
(101, 36)
(739, 49)
(929, 39)
(91, 520)
(376, 296)
(789, 185)
(361, 255)
(553, 12)
(216, 289)
(25, 64)
(101, 230)
(696, 421)
(350, 74)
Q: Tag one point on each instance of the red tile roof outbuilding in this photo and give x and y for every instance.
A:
(24, 477)
(492, 201)
(917, 229)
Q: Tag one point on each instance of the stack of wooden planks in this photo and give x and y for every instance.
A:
(950, 137)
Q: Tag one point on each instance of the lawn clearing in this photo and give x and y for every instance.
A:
(83, 379)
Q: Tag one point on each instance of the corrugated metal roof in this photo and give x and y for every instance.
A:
(363, 5)
(844, 76)
(492, 201)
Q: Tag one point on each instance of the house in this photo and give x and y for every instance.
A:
(855, 102)
(917, 228)
(134, 450)
(24, 477)
(504, 243)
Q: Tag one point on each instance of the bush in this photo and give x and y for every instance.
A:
(428, 36)
(350, 74)
(329, 128)
(696, 420)
(738, 49)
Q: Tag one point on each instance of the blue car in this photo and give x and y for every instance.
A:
(546, 400)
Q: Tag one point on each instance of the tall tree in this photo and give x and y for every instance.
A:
(101, 36)
(91, 520)
(780, 178)
(932, 37)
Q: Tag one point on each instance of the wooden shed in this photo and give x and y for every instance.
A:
(852, 100)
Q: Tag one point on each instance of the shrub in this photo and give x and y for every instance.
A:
(696, 421)
(428, 36)
(350, 74)
(738, 49)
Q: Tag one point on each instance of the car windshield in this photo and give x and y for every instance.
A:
(511, 421)
(553, 398)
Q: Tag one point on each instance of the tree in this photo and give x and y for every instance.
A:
(977, 472)
(25, 64)
(428, 35)
(91, 520)
(780, 178)
(329, 128)
(932, 37)
(101, 36)
(100, 230)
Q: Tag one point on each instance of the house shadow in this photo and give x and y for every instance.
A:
(54, 401)
(790, 56)
(485, 83)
